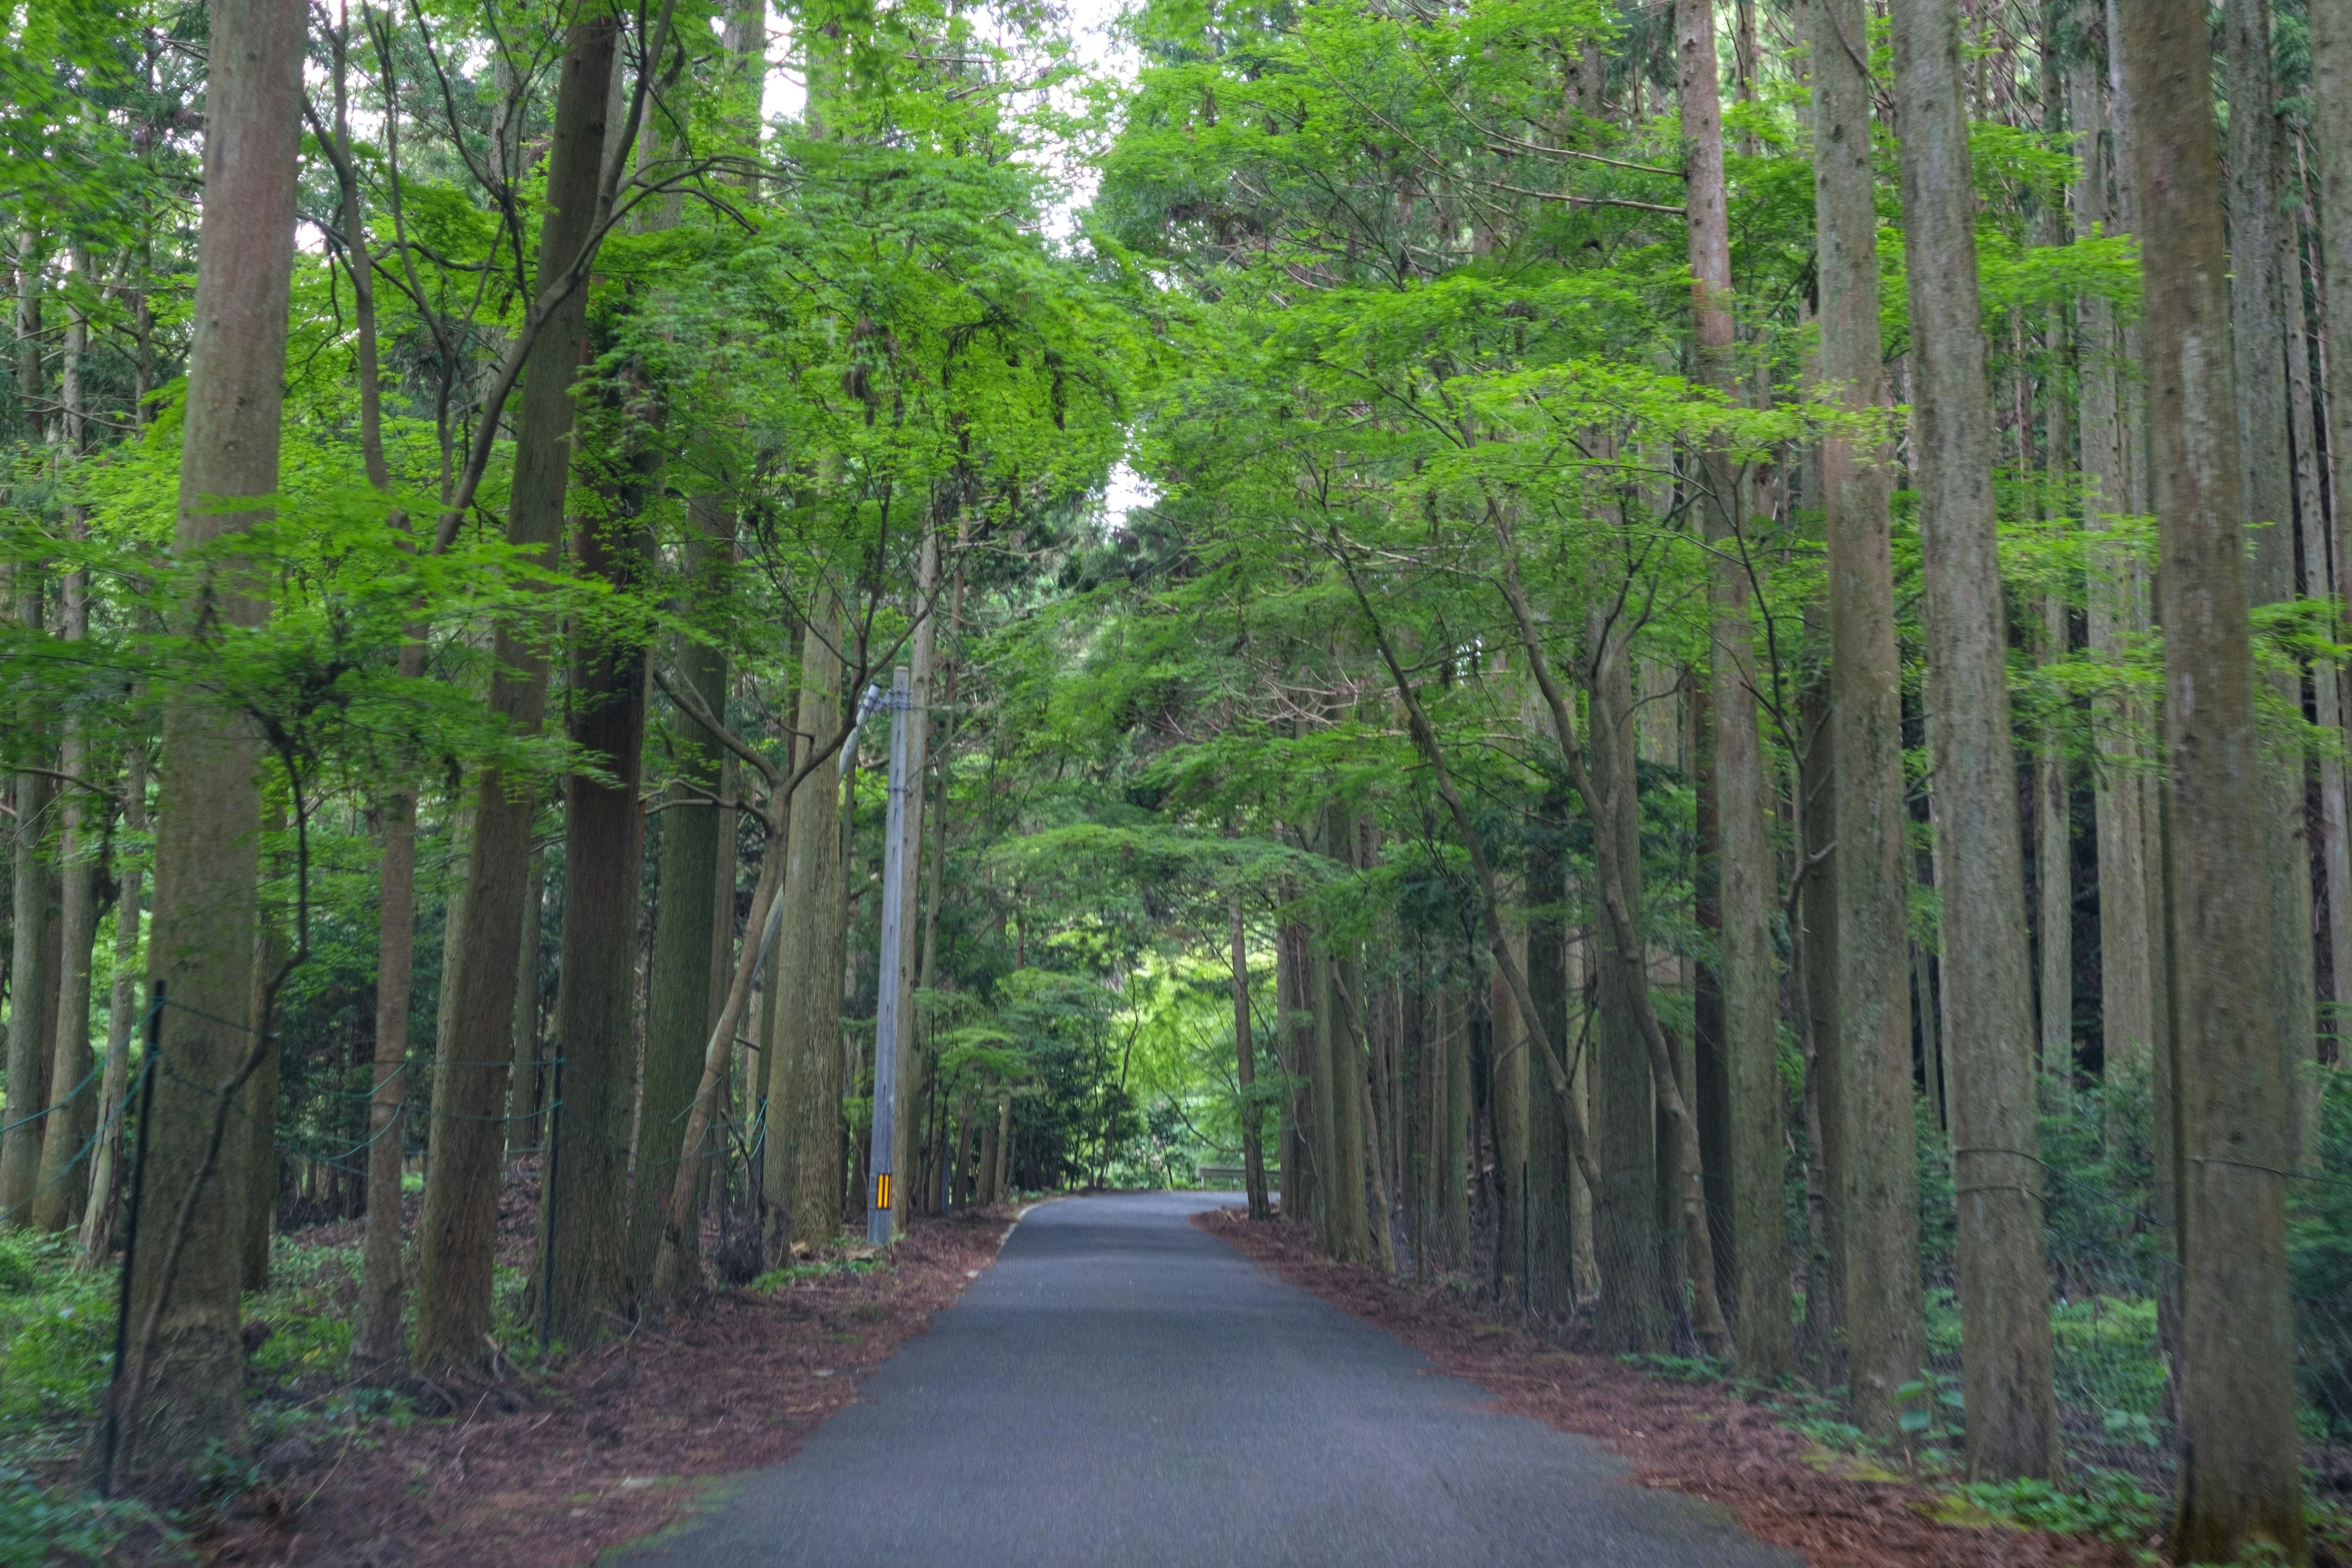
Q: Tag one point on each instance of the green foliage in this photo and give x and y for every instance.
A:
(57, 1339)
(40, 1527)
(2109, 1504)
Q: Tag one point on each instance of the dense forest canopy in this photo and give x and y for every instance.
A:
(1681, 661)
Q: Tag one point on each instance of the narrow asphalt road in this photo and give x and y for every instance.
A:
(1122, 1389)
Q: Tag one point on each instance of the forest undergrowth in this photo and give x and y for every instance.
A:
(557, 1457)
(1780, 1456)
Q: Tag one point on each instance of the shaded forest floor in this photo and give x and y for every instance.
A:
(1709, 1440)
(553, 1464)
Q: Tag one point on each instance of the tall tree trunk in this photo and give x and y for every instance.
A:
(1815, 965)
(1454, 1157)
(2258, 228)
(461, 1187)
(1750, 1178)
(1246, 1067)
(2004, 1284)
(1551, 1288)
(1886, 1331)
(2240, 1485)
(183, 1395)
(2118, 725)
(72, 1120)
(376, 1330)
(804, 1162)
(2331, 144)
(257, 1117)
(590, 1272)
(106, 1165)
(1513, 1235)
(376, 1336)
(1298, 1174)
(1624, 1211)
(686, 939)
(30, 977)
(524, 1130)
(2054, 876)
(2334, 851)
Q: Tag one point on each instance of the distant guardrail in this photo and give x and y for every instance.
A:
(1229, 1178)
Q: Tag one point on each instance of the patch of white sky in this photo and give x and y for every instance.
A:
(1091, 27)
(1092, 30)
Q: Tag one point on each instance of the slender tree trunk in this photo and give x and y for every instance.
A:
(2331, 144)
(2240, 1486)
(686, 939)
(1343, 978)
(1551, 1287)
(460, 1219)
(72, 1118)
(1246, 1067)
(1454, 1159)
(257, 1117)
(2334, 855)
(1815, 969)
(1297, 1172)
(1514, 1237)
(2004, 1285)
(183, 1395)
(1885, 1331)
(1624, 1218)
(2053, 876)
(922, 664)
(97, 1216)
(523, 1127)
(376, 1336)
(804, 1169)
(590, 1273)
(1751, 1173)
(2118, 724)
(2258, 228)
(30, 979)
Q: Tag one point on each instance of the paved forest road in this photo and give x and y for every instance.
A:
(1122, 1389)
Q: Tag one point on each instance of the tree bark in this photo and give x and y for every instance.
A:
(59, 1198)
(524, 1129)
(2004, 1283)
(804, 1169)
(1750, 1178)
(1551, 1285)
(376, 1336)
(460, 1218)
(685, 945)
(922, 666)
(183, 1392)
(2239, 1484)
(1632, 1314)
(1246, 1067)
(98, 1217)
(2258, 231)
(2118, 723)
(30, 979)
(592, 1274)
(1885, 1331)
(1814, 967)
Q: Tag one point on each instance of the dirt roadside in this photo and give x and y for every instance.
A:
(614, 1444)
(1705, 1441)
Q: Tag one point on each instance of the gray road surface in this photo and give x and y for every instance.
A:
(1121, 1389)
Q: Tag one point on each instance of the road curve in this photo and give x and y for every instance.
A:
(1122, 1389)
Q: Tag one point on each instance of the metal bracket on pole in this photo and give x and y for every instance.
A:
(898, 702)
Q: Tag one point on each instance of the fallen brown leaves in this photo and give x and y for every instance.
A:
(608, 1448)
(1701, 1440)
